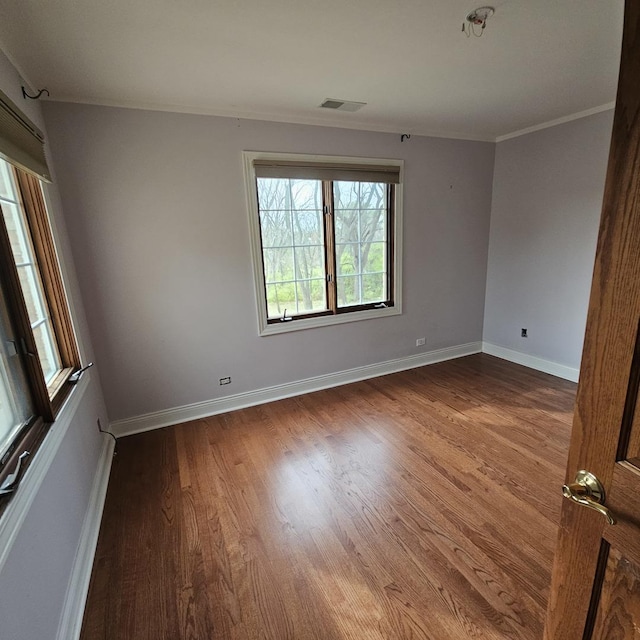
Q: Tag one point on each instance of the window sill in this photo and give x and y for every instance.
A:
(18, 507)
(58, 381)
(325, 321)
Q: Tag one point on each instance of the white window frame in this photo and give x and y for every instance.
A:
(264, 327)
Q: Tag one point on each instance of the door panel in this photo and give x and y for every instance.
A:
(629, 448)
(624, 503)
(591, 584)
(619, 609)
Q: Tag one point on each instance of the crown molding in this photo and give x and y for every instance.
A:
(273, 117)
(355, 125)
(552, 123)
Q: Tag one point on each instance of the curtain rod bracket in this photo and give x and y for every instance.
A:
(25, 95)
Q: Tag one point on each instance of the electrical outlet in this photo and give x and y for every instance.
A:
(523, 333)
(420, 342)
(225, 380)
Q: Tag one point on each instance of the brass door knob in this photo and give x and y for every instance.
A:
(588, 491)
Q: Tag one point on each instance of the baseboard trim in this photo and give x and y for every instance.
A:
(546, 366)
(159, 419)
(78, 588)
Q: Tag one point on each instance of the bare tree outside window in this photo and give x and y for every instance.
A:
(361, 241)
(326, 235)
(292, 234)
(295, 251)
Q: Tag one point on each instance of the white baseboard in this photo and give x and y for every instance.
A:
(546, 366)
(159, 419)
(77, 591)
(78, 588)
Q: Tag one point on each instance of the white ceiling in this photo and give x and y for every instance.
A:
(538, 60)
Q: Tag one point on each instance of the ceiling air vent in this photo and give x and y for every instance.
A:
(342, 105)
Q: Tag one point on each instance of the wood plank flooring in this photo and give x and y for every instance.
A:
(420, 505)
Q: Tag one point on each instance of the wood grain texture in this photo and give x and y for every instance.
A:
(619, 612)
(420, 505)
(624, 502)
(606, 372)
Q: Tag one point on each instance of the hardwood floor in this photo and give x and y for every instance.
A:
(422, 504)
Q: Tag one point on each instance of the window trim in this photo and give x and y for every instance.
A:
(322, 318)
(50, 399)
(35, 208)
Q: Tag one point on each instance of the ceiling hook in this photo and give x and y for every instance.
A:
(405, 136)
(25, 95)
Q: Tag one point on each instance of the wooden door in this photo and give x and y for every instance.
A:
(595, 590)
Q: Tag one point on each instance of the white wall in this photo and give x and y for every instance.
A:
(547, 199)
(156, 210)
(36, 568)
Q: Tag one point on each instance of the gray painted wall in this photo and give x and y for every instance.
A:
(547, 199)
(34, 578)
(156, 210)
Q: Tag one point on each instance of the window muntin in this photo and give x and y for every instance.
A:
(16, 404)
(311, 267)
(361, 224)
(38, 349)
(293, 241)
(385, 278)
(29, 274)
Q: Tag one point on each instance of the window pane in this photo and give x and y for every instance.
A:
(32, 289)
(373, 195)
(346, 225)
(361, 222)
(347, 259)
(281, 297)
(345, 195)
(311, 296)
(359, 195)
(275, 228)
(31, 292)
(305, 194)
(374, 287)
(6, 182)
(307, 227)
(46, 350)
(293, 253)
(373, 225)
(17, 235)
(278, 265)
(16, 406)
(272, 194)
(349, 291)
(309, 262)
(373, 257)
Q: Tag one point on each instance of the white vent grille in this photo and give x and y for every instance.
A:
(342, 105)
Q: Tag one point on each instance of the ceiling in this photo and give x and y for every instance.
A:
(538, 60)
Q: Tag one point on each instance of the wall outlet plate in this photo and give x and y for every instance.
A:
(420, 342)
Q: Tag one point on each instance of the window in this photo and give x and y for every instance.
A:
(38, 350)
(325, 237)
